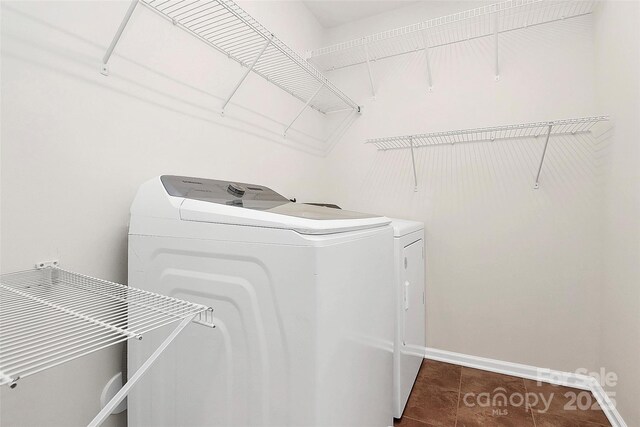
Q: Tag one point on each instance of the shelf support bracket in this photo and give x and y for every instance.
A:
(495, 40)
(371, 84)
(303, 108)
(334, 136)
(116, 38)
(544, 151)
(246, 73)
(413, 162)
(428, 60)
(124, 391)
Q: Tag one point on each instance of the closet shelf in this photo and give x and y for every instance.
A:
(491, 20)
(51, 316)
(458, 27)
(226, 27)
(524, 130)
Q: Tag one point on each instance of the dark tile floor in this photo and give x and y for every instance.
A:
(450, 395)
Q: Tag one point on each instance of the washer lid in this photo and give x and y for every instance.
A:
(402, 227)
(208, 200)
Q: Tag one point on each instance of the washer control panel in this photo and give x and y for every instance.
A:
(223, 192)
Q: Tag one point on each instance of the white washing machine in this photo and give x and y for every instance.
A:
(410, 336)
(304, 324)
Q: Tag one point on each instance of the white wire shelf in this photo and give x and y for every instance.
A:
(226, 27)
(459, 27)
(524, 130)
(51, 316)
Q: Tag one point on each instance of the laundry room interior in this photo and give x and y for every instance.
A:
(320, 213)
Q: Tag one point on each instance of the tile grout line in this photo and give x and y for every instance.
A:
(526, 393)
(415, 419)
(459, 392)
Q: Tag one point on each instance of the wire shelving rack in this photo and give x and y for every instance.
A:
(485, 21)
(226, 27)
(523, 130)
(50, 316)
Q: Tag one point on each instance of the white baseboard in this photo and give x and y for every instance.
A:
(568, 379)
(607, 406)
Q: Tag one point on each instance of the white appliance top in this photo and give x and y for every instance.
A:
(208, 200)
(402, 227)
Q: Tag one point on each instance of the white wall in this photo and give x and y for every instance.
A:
(618, 66)
(513, 273)
(76, 145)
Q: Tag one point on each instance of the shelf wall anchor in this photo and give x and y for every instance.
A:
(246, 73)
(428, 60)
(544, 152)
(413, 162)
(303, 108)
(366, 53)
(116, 38)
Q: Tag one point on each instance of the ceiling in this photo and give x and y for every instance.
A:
(332, 13)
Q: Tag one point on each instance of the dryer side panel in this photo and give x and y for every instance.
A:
(355, 331)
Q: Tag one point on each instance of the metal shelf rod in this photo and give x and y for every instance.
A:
(366, 53)
(124, 391)
(302, 109)
(427, 58)
(544, 151)
(496, 22)
(246, 73)
(105, 59)
(413, 162)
